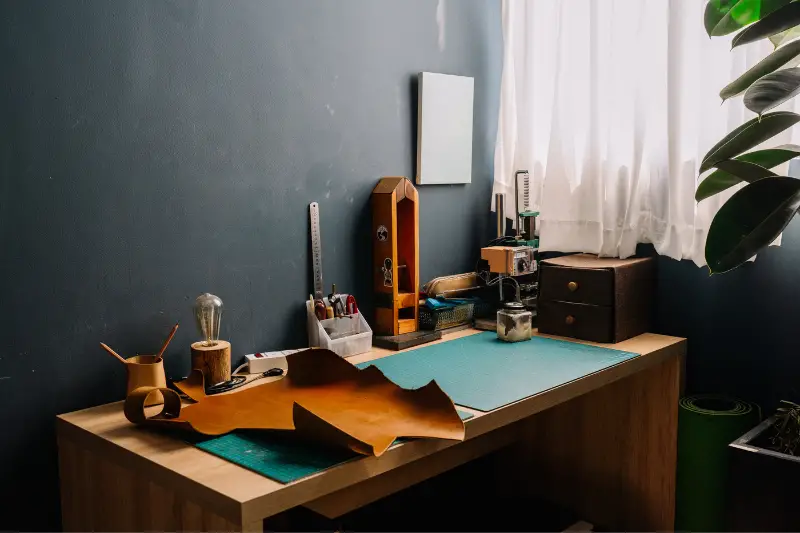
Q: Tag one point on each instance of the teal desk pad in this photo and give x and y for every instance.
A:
(276, 455)
(484, 373)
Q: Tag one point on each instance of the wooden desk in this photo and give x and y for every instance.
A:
(603, 445)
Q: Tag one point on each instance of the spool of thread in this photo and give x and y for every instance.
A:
(214, 361)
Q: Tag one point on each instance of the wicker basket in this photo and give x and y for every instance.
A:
(445, 317)
(483, 309)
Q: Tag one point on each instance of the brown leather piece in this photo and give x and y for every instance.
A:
(323, 397)
(193, 386)
(142, 397)
(316, 429)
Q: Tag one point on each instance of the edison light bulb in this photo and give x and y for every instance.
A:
(208, 312)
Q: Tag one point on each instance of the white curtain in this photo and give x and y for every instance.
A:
(611, 105)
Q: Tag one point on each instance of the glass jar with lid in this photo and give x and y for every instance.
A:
(514, 323)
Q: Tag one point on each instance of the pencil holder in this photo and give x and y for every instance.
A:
(344, 336)
(146, 371)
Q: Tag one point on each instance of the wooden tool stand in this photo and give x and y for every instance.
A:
(395, 256)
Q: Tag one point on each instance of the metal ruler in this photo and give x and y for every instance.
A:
(522, 184)
(316, 249)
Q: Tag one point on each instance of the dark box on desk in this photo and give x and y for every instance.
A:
(596, 298)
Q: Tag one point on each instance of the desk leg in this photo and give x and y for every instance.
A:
(608, 455)
(101, 495)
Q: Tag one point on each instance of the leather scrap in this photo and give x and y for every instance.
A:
(193, 386)
(141, 397)
(322, 397)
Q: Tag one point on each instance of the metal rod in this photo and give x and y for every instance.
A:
(499, 200)
(518, 218)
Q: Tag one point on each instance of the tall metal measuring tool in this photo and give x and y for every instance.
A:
(526, 217)
(316, 249)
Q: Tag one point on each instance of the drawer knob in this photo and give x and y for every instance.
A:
(572, 286)
(570, 320)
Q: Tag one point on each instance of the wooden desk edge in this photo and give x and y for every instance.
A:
(221, 503)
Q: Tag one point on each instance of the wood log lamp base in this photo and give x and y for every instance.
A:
(214, 360)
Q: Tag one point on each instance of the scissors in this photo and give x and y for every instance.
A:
(350, 307)
(336, 303)
(237, 381)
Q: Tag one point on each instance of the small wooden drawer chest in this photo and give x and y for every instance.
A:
(595, 298)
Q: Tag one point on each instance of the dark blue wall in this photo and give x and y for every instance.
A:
(743, 327)
(154, 150)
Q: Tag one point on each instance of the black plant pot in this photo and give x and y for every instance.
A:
(764, 488)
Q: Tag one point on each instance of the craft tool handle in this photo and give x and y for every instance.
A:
(351, 307)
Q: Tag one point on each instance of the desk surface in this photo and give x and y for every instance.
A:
(244, 496)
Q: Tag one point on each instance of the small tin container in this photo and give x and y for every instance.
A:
(514, 323)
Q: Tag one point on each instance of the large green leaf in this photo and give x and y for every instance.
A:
(748, 135)
(751, 220)
(785, 36)
(772, 90)
(784, 18)
(745, 170)
(727, 16)
(772, 62)
(771, 157)
(719, 180)
(715, 183)
(730, 173)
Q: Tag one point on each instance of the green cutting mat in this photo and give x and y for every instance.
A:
(484, 373)
(277, 455)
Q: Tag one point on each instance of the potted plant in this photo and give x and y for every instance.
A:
(764, 461)
(764, 466)
(756, 214)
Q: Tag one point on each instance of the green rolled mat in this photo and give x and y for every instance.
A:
(706, 425)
